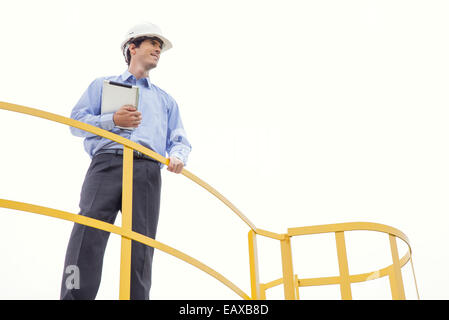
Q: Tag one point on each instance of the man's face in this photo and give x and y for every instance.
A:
(147, 54)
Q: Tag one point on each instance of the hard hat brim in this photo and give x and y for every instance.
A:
(166, 43)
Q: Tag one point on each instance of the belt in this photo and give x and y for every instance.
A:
(136, 154)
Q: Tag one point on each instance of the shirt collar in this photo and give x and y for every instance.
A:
(129, 77)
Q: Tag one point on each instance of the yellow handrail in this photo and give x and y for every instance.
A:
(290, 280)
(392, 270)
(125, 230)
(94, 223)
(126, 143)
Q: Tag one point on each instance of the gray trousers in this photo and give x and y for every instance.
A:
(101, 198)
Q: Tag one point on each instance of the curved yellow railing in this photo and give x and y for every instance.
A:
(122, 232)
(125, 231)
(290, 281)
(126, 143)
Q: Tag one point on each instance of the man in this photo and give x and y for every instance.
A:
(157, 125)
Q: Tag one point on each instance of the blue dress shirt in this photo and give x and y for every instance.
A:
(161, 127)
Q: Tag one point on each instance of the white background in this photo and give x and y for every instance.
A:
(299, 112)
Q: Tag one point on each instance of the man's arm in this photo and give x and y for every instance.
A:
(178, 146)
(88, 110)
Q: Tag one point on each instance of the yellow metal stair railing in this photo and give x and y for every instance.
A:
(125, 234)
(292, 282)
(289, 280)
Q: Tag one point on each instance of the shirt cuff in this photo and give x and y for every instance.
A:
(106, 121)
(179, 156)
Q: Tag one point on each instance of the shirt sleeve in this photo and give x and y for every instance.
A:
(88, 110)
(177, 143)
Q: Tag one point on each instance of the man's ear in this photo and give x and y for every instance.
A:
(132, 48)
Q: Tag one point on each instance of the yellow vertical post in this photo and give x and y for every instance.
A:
(414, 277)
(263, 292)
(297, 287)
(287, 268)
(345, 284)
(254, 266)
(396, 283)
(125, 255)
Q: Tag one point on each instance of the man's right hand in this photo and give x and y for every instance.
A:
(127, 116)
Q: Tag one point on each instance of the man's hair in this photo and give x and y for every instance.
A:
(137, 42)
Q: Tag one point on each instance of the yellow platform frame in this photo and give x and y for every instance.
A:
(290, 281)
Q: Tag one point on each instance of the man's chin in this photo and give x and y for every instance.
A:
(151, 66)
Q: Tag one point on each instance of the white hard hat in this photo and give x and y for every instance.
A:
(145, 29)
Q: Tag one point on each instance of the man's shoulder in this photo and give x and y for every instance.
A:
(100, 79)
(162, 92)
(97, 83)
(111, 78)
